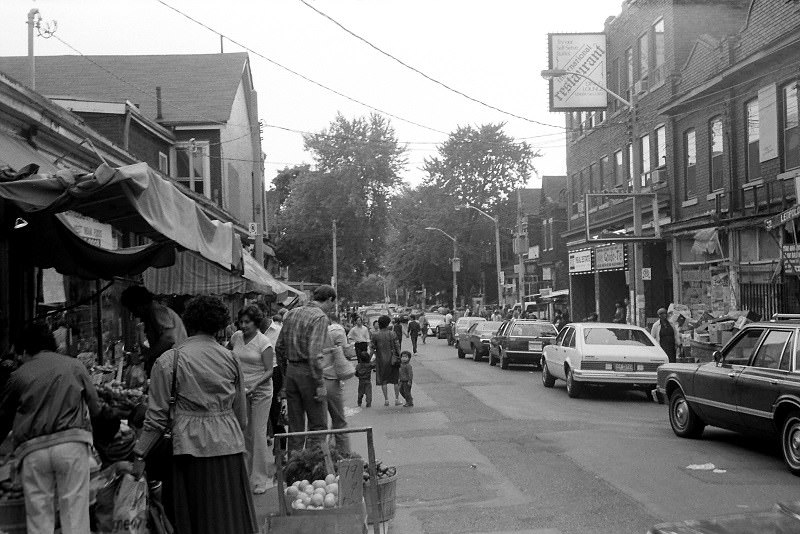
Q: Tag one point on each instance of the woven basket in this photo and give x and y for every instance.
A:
(387, 499)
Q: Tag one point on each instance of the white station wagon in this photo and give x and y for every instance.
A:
(602, 353)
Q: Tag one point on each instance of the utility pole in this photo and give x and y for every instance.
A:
(638, 283)
(335, 277)
(500, 280)
(31, 58)
(456, 268)
(521, 262)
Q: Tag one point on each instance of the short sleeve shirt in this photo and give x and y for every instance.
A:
(165, 321)
(249, 356)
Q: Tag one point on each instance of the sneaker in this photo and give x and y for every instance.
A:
(359, 405)
(368, 405)
(407, 405)
(398, 402)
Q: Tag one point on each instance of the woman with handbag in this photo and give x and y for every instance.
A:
(256, 355)
(386, 349)
(197, 401)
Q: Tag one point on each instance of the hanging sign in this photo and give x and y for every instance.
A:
(584, 55)
(782, 218)
(92, 231)
(610, 258)
(580, 261)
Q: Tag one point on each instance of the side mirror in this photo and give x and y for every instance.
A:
(717, 355)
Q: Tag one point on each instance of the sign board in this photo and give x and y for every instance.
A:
(585, 54)
(609, 258)
(94, 232)
(580, 261)
(456, 265)
(647, 273)
(545, 291)
(768, 122)
(533, 252)
(547, 273)
(782, 218)
(252, 229)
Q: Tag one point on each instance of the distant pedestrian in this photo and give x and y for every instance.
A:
(359, 336)
(399, 331)
(592, 318)
(496, 315)
(413, 332)
(423, 324)
(387, 355)
(406, 377)
(364, 374)
(620, 314)
(667, 335)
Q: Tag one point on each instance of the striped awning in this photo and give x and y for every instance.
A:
(193, 275)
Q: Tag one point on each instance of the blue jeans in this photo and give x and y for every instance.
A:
(335, 401)
(301, 387)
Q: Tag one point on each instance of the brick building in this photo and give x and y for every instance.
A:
(734, 155)
(648, 44)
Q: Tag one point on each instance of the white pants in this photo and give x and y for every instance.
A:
(61, 470)
(259, 402)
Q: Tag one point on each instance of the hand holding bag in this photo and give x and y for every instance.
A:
(159, 460)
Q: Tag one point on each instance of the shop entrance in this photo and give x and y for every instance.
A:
(613, 289)
(582, 295)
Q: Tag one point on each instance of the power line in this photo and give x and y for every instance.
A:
(424, 75)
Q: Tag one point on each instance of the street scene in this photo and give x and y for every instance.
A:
(399, 267)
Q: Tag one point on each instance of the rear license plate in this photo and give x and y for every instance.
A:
(535, 346)
(623, 367)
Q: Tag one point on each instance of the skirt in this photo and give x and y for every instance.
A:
(212, 495)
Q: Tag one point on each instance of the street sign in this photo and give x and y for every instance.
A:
(252, 228)
(646, 273)
(456, 265)
(782, 218)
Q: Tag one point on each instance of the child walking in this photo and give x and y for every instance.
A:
(406, 378)
(364, 374)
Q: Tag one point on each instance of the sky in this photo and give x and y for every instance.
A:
(492, 50)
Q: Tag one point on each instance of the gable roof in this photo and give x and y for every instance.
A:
(195, 88)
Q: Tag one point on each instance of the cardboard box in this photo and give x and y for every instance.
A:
(740, 322)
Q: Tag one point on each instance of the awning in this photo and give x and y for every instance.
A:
(132, 198)
(256, 273)
(17, 154)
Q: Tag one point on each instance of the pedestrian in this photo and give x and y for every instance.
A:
(423, 325)
(163, 327)
(277, 409)
(359, 336)
(364, 374)
(375, 327)
(620, 313)
(209, 487)
(334, 394)
(399, 331)
(666, 334)
(592, 318)
(413, 332)
(406, 377)
(386, 349)
(303, 337)
(45, 403)
(496, 315)
(256, 356)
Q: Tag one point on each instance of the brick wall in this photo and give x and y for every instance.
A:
(767, 21)
(108, 125)
(145, 146)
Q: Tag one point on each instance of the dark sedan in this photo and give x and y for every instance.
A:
(521, 341)
(478, 339)
(753, 386)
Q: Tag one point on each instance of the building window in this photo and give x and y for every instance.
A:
(644, 150)
(658, 52)
(791, 129)
(192, 167)
(753, 138)
(589, 121)
(606, 174)
(580, 123)
(551, 237)
(661, 147)
(619, 169)
(644, 55)
(689, 163)
(600, 118)
(615, 80)
(592, 179)
(575, 193)
(630, 167)
(545, 235)
(163, 163)
(629, 79)
(717, 153)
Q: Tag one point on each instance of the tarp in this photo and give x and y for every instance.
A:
(132, 198)
(254, 272)
(706, 241)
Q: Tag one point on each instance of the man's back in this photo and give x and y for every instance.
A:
(301, 326)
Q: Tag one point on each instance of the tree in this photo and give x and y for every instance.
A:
(285, 179)
(357, 164)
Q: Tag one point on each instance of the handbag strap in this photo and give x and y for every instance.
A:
(173, 391)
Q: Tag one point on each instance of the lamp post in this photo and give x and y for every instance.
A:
(636, 179)
(455, 262)
(496, 221)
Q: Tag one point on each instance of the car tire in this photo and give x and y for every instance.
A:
(503, 360)
(574, 389)
(790, 441)
(476, 355)
(461, 352)
(548, 380)
(684, 422)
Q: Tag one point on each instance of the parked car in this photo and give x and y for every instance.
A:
(460, 332)
(752, 386)
(521, 341)
(783, 517)
(602, 353)
(434, 320)
(478, 339)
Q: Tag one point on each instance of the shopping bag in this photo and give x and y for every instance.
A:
(130, 506)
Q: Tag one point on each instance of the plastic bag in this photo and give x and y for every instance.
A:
(122, 506)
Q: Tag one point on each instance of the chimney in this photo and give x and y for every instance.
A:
(159, 115)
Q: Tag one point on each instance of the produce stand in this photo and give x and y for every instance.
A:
(347, 518)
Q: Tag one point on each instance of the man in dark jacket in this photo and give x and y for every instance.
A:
(414, 329)
(45, 401)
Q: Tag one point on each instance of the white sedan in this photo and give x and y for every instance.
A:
(602, 353)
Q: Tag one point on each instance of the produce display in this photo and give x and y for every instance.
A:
(317, 495)
(382, 470)
(115, 395)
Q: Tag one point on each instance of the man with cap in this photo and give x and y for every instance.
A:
(666, 334)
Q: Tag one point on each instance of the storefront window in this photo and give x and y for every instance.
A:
(753, 138)
(689, 163)
(717, 154)
(791, 128)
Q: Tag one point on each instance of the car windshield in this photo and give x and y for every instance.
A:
(533, 330)
(487, 327)
(434, 317)
(616, 336)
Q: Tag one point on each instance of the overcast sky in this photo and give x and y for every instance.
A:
(490, 49)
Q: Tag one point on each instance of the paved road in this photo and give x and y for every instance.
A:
(492, 451)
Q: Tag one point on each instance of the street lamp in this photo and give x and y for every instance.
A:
(496, 221)
(637, 185)
(454, 262)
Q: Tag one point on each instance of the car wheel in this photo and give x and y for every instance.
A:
(574, 389)
(548, 380)
(685, 423)
(790, 442)
(476, 355)
(461, 352)
(503, 360)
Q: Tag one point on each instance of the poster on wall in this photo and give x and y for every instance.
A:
(583, 54)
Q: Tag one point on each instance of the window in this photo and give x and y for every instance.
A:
(561, 335)
(661, 147)
(615, 80)
(689, 163)
(771, 350)
(630, 166)
(163, 163)
(550, 234)
(791, 129)
(592, 178)
(786, 359)
(600, 118)
(717, 153)
(533, 330)
(629, 71)
(589, 121)
(575, 193)
(606, 174)
(644, 148)
(742, 349)
(658, 52)
(192, 167)
(619, 169)
(569, 338)
(753, 137)
(616, 336)
(580, 123)
(644, 55)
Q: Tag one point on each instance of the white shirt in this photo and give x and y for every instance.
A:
(272, 333)
(359, 334)
(448, 318)
(249, 356)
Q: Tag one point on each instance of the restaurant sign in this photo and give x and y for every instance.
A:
(610, 258)
(583, 56)
(580, 261)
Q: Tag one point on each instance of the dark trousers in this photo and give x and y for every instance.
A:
(275, 409)
(424, 333)
(301, 387)
(405, 391)
(365, 390)
(414, 344)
